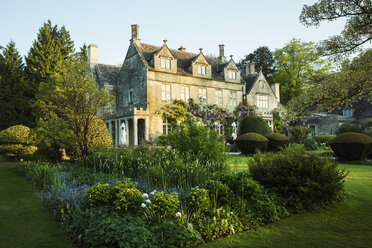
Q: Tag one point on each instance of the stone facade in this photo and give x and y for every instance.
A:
(153, 76)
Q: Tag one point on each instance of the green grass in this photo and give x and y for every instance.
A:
(239, 162)
(24, 222)
(347, 224)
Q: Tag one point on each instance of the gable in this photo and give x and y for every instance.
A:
(200, 59)
(164, 52)
(259, 84)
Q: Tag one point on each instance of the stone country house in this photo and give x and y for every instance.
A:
(153, 76)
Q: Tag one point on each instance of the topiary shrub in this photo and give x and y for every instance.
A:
(17, 141)
(299, 133)
(254, 124)
(351, 126)
(324, 140)
(277, 141)
(250, 143)
(304, 179)
(351, 146)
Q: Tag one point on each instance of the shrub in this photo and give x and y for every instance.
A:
(351, 126)
(254, 124)
(16, 141)
(277, 141)
(127, 198)
(170, 234)
(198, 202)
(324, 140)
(304, 179)
(43, 175)
(310, 144)
(100, 194)
(164, 205)
(299, 133)
(249, 143)
(351, 146)
(219, 193)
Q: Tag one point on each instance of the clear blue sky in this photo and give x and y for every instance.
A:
(241, 25)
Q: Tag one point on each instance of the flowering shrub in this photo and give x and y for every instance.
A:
(128, 199)
(164, 205)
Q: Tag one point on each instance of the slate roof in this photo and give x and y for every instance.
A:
(250, 79)
(107, 74)
(362, 108)
(184, 60)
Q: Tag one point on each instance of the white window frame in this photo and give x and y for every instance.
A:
(167, 126)
(165, 92)
(347, 113)
(165, 63)
(312, 129)
(219, 98)
(203, 95)
(232, 74)
(233, 98)
(262, 101)
(185, 93)
(202, 69)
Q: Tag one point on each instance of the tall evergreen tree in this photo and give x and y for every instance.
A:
(52, 47)
(15, 93)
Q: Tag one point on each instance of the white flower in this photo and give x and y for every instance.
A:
(148, 201)
(178, 214)
(189, 226)
(145, 195)
(153, 192)
(143, 205)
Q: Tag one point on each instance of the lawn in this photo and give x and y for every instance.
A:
(24, 222)
(347, 224)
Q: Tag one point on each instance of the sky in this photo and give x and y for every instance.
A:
(241, 25)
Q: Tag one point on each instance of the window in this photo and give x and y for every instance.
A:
(232, 74)
(219, 100)
(313, 129)
(202, 69)
(233, 98)
(167, 126)
(130, 97)
(347, 113)
(203, 95)
(165, 92)
(185, 93)
(270, 123)
(165, 63)
(262, 101)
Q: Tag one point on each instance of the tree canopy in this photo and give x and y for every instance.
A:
(358, 27)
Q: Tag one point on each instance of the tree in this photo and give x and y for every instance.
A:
(73, 99)
(15, 97)
(49, 51)
(352, 83)
(358, 27)
(264, 61)
(297, 65)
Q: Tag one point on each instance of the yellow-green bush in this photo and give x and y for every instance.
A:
(16, 141)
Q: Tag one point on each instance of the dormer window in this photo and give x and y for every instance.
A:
(232, 74)
(165, 63)
(202, 69)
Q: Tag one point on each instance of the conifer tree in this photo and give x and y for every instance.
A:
(15, 93)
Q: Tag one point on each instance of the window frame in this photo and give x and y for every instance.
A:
(219, 97)
(185, 93)
(263, 101)
(202, 93)
(202, 69)
(165, 63)
(166, 92)
(233, 98)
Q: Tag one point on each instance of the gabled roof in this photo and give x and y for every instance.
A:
(251, 80)
(184, 60)
(106, 74)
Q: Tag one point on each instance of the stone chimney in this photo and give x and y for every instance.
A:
(250, 69)
(222, 52)
(92, 53)
(181, 48)
(277, 91)
(135, 34)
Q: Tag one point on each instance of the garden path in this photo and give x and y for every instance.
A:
(24, 222)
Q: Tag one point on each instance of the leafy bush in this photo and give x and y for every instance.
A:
(128, 198)
(254, 124)
(249, 143)
(164, 205)
(310, 144)
(303, 178)
(299, 133)
(100, 194)
(44, 175)
(351, 126)
(198, 202)
(324, 140)
(277, 141)
(194, 141)
(16, 141)
(351, 146)
(219, 193)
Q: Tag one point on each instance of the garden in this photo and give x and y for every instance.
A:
(186, 191)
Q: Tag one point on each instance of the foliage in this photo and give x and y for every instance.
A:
(324, 140)
(100, 194)
(304, 179)
(310, 144)
(164, 205)
(15, 99)
(280, 122)
(254, 124)
(357, 30)
(73, 99)
(195, 141)
(249, 143)
(264, 61)
(43, 175)
(277, 141)
(351, 126)
(297, 64)
(219, 193)
(127, 198)
(16, 141)
(299, 133)
(197, 202)
(351, 146)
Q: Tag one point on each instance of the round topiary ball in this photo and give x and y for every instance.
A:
(254, 124)
(277, 141)
(249, 143)
(351, 146)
